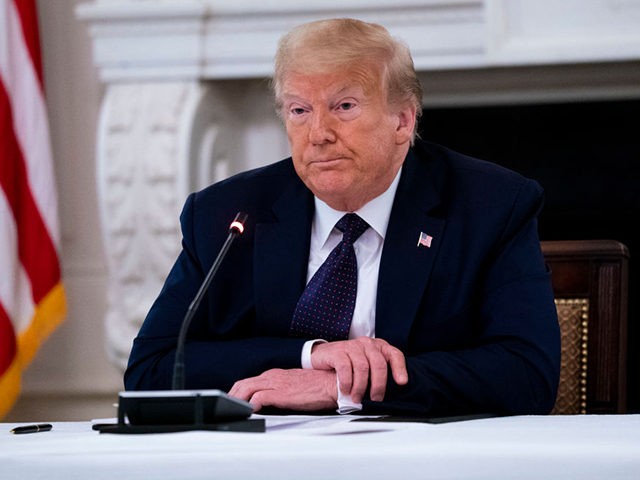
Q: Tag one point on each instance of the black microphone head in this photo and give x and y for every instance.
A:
(237, 226)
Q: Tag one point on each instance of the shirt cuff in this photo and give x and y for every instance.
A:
(345, 404)
(305, 357)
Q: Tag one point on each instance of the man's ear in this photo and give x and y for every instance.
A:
(406, 122)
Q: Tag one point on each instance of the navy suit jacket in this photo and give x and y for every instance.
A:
(473, 313)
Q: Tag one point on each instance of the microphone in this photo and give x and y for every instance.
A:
(177, 409)
(235, 229)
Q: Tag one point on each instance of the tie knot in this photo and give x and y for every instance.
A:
(351, 226)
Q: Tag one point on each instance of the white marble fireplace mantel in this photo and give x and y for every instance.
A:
(186, 100)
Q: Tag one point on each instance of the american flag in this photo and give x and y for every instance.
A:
(32, 296)
(424, 240)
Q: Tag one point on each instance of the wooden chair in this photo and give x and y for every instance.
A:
(590, 283)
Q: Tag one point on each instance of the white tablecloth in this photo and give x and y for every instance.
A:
(603, 447)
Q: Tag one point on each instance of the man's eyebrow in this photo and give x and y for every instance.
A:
(341, 91)
(349, 89)
(292, 96)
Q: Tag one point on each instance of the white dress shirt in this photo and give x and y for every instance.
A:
(325, 237)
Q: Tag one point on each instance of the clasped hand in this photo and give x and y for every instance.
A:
(357, 364)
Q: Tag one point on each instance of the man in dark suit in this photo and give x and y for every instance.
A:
(452, 311)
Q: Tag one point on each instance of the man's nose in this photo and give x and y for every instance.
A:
(322, 129)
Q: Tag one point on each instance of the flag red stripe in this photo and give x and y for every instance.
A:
(35, 248)
(29, 23)
(7, 341)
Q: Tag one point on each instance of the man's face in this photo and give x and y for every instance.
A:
(347, 144)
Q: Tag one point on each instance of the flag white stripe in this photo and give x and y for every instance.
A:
(15, 289)
(30, 118)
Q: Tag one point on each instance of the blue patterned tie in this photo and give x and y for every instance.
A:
(325, 308)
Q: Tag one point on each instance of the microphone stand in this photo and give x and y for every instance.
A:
(179, 410)
(236, 229)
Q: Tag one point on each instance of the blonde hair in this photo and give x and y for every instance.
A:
(346, 43)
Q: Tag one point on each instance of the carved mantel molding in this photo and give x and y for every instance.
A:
(186, 101)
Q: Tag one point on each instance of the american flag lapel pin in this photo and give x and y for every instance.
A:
(424, 240)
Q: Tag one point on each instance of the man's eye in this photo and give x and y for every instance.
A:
(346, 106)
(297, 111)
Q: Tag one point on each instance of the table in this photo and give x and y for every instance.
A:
(519, 447)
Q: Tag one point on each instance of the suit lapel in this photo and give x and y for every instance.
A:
(281, 254)
(405, 266)
(280, 258)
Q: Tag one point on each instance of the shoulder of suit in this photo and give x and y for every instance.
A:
(269, 176)
(283, 168)
(457, 163)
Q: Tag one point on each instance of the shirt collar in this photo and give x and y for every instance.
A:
(376, 213)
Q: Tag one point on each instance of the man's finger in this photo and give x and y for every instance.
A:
(398, 364)
(360, 365)
(344, 370)
(242, 390)
(378, 375)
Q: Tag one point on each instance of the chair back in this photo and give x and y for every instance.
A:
(590, 284)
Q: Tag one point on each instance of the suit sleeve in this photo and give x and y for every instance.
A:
(512, 366)
(223, 344)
